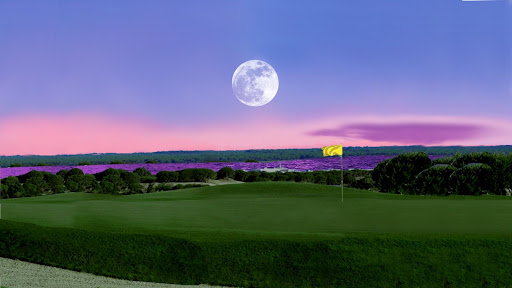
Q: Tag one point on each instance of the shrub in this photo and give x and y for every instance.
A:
(55, 182)
(472, 179)
(72, 186)
(150, 188)
(62, 173)
(319, 177)
(364, 183)
(167, 176)
(148, 179)
(266, 176)
(381, 176)
(4, 191)
(14, 187)
(434, 180)
(30, 190)
(461, 160)
(90, 184)
(142, 172)
(252, 176)
(163, 187)
(240, 175)
(108, 187)
(177, 186)
(401, 170)
(225, 173)
(35, 178)
(443, 160)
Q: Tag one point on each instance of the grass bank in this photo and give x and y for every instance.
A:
(353, 261)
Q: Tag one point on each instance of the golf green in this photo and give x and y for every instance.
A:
(273, 209)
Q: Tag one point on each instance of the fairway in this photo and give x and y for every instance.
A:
(282, 210)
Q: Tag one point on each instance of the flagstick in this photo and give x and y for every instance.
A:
(341, 159)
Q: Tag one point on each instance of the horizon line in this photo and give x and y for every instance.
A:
(161, 151)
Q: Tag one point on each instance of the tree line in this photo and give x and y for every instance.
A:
(122, 182)
(233, 155)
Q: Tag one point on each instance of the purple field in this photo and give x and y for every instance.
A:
(326, 163)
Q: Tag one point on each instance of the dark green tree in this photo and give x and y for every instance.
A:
(14, 187)
(167, 176)
(141, 171)
(225, 173)
(240, 175)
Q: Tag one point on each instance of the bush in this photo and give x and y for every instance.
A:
(150, 188)
(240, 175)
(196, 175)
(397, 174)
(148, 179)
(265, 176)
(108, 187)
(177, 186)
(364, 183)
(434, 180)
(4, 192)
(90, 184)
(381, 177)
(251, 176)
(472, 179)
(55, 182)
(443, 160)
(461, 160)
(163, 187)
(319, 177)
(30, 190)
(14, 187)
(142, 172)
(225, 173)
(167, 176)
(72, 186)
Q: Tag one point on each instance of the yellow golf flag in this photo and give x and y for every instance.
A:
(332, 150)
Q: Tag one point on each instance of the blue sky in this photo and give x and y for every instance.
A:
(169, 63)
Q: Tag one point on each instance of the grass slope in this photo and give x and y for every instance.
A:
(268, 235)
(266, 209)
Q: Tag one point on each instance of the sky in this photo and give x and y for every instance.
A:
(128, 76)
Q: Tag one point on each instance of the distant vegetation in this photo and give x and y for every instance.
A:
(233, 156)
(409, 173)
(110, 181)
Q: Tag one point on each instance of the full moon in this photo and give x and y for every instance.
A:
(255, 83)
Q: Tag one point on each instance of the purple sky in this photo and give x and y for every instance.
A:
(128, 76)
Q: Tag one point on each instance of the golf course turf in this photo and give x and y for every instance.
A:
(270, 234)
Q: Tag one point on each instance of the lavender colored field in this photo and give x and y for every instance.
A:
(326, 163)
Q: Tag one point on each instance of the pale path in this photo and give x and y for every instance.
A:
(19, 274)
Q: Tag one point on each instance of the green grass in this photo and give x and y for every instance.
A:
(284, 210)
(268, 235)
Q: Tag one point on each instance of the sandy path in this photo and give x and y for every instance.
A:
(19, 274)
